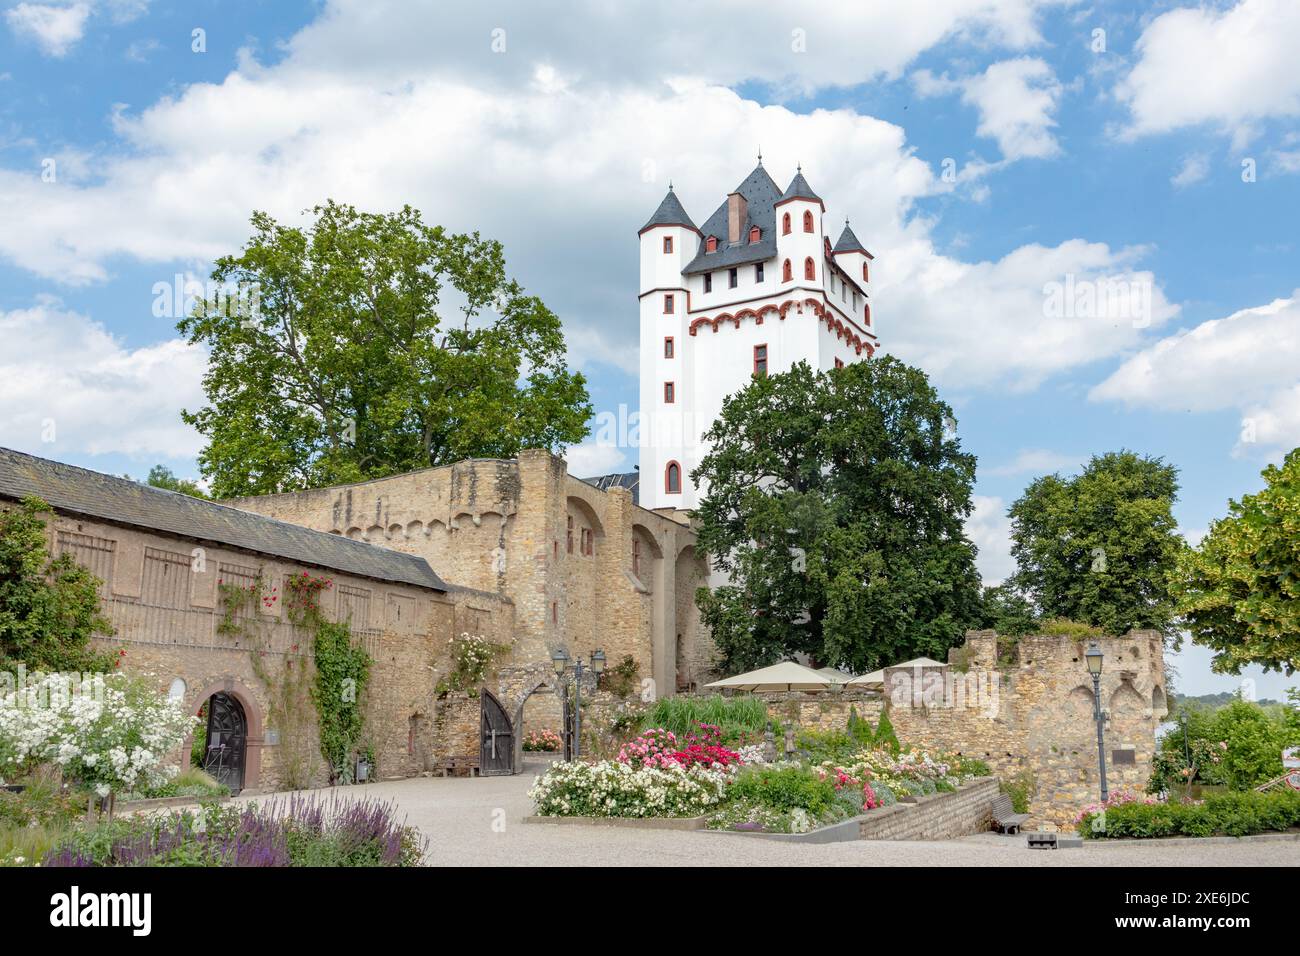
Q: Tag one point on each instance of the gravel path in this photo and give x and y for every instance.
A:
(473, 822)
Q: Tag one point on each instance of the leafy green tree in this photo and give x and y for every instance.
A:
(160, 476)
(1238, 592)
(370, 344)
(49, 609)
(1097, 548)
(835, 502)
(1007, 611)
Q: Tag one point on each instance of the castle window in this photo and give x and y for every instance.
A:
(668, 346)
(787, 272)
(588, 542)
(711, 244)
(708, 282)
(807, 221)
(754, 233)
(568, 537)
(864, 272)
(636, 556)
(866, 313)
(760, 359)
(809, 269)
(758, 272)
(785, 225)
(673, 479)
(668, 304)
(668, 245)
(670, 393)
(732, 279)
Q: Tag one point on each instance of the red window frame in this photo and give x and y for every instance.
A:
(785, 225)
(864, 273)
(668, 245)
(809, 269)
(669, 348)
(839, 363)
(807, 220)
(754, 234)
(708, 282)
(760, 359)
(711, 244)
(866, 313)
(670, 393)
(669, 470)
(787, 272)
(668, 304)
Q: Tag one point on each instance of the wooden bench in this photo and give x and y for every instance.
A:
(1005, 818)
(460, 766)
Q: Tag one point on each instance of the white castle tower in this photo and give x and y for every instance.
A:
(756, 289)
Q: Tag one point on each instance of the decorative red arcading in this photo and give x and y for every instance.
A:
(843, 331)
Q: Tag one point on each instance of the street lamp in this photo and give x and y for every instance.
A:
(560, 661)
(1094, 657)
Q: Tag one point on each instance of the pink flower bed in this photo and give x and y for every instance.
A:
(661, 748)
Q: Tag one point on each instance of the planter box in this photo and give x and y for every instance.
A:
(643, 823)
(842, 832)
(160, 803)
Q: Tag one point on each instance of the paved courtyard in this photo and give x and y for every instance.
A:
(473, 822)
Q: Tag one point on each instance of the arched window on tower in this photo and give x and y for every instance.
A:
(785, 225)
(787, 272)
(673, 478)
(866, 314)
(807, 220)
(865, 277)
(809, 269)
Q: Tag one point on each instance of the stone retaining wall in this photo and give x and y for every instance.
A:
(939, 816)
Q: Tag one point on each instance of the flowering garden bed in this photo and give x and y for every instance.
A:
(1127, 816)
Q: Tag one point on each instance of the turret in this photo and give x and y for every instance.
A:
(799, 233)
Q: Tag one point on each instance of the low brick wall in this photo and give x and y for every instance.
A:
(939, 816)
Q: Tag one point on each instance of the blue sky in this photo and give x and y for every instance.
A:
(1162, 153)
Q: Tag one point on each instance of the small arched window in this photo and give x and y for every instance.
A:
(807, 220)
(755, 233)
(785, 225)
(865, 277)
(866, 313)
(787, 272)
(673, 478)
(809, 269)
(711, 244)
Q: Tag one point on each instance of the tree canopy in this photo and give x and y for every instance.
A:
(49, 609)
(365, 345)
(1097, 548)
(835, 501)
(1238, 592)
(160, 476)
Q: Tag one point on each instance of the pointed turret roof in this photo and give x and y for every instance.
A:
(669, 213)
(761, 193)
(848, 242)
(799, 189)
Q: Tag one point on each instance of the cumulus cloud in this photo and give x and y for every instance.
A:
(990, 529)
(68, 386)
(1228, 67)
(1034, 461)
(1246, 362)
(1193, 170)
(55, 29)
(1016, 100)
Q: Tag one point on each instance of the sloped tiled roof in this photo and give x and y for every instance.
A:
(123, 501)
(761, 194)
(630, 480)
(848, 242)
(799, 189)
(670, 213)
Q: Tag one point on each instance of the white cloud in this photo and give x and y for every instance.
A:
(591, 459)
(1232, 68)
(61, 370)
(56, 29)
(1016, 100)
(1248, 361)
(990, 529)
(1035, 461)
(1193, 170)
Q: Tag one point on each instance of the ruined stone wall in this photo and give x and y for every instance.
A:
(584, 568)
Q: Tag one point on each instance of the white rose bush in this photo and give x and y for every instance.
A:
(610, 788)
(114, 739)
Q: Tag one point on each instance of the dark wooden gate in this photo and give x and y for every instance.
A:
(226, 741)
(497, 747)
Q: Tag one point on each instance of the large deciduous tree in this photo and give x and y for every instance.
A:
(835, 501)
(1097, 548)
(1238, 592)
(364, 345)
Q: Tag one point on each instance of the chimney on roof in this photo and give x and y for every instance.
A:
(737, 210)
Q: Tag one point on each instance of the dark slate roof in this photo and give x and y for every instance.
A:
(669, 213)
(123, 501)
(848, 242)
(799, 189)
(630, 480)
(761, 194)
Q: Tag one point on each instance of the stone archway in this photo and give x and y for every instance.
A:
(255, 734)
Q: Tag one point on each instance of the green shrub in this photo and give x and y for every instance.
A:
(1020, 789)
(736, 717)
(821, 745)
(1228, 814)
(885, 736)
(783, 788)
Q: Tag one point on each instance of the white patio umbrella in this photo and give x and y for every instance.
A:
(786, 675)
(878, 677)
(836, 676)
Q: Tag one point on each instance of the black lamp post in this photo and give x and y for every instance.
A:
(560, 661)
(1094, 656)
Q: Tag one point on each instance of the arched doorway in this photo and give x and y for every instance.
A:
(497, 742)
(226, 750)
